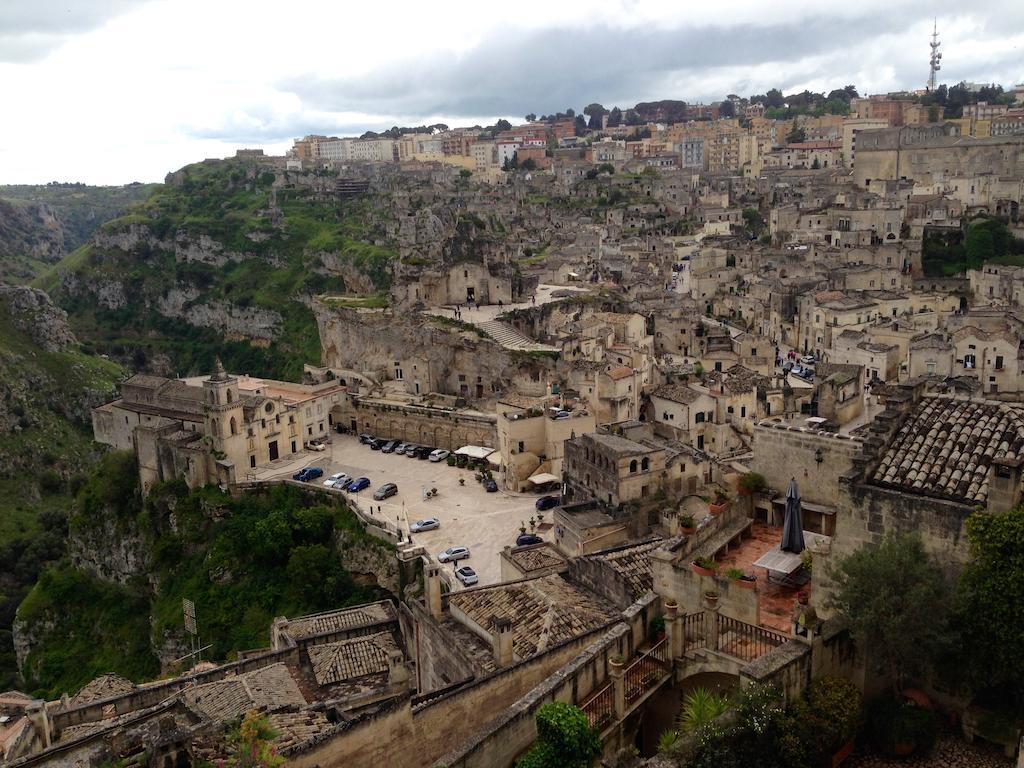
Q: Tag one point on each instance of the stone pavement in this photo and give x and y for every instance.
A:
(951, 752)
(487, 318)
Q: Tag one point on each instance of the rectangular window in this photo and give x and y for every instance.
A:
(999, 362)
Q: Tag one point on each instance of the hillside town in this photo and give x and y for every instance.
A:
(642, 380)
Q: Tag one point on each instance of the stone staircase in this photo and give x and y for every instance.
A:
(510, 338)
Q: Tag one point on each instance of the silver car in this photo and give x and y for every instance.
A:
(466, 575)
(427, 524)
(452, 554)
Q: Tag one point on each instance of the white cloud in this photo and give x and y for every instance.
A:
(129, 92)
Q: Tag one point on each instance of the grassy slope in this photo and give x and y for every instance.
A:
(227, 201)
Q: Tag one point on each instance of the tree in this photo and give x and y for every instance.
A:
(251, 745)
(633, 118)
(933, 113)
(529, 164)
(531, 117)
(581, 125)
(615, 117)
(595, 112)
(796, 134)
(727, 109)
(502, 125)
(895, 599)
(565, 739)
(989, 599)
(774, 98)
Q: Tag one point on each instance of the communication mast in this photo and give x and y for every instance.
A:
(936, 58)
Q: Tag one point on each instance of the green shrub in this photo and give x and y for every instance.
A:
(893, 724)
(701, 706)
(565, 739)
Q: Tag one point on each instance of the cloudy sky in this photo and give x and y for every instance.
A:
(111, 91)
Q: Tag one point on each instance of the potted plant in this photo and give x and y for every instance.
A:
(740, 578)
(711, 599)
(462, 481)
(657, 628)
(540, 518)
(720, 504)
(751, 483)
(687, 525)
(617, 661)
(533, 525)
(522, 527)
(704, 566)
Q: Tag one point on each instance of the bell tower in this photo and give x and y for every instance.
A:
(222, 405)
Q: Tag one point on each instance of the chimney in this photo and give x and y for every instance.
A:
(40, 719)
(277, 629)
(433, 576)
(398, 673)
(502, 640)
(1004, 484)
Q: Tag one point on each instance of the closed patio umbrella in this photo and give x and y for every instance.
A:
(793, 526)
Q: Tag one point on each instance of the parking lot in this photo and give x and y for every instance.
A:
(470, 517)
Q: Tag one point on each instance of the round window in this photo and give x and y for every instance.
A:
(269, 407)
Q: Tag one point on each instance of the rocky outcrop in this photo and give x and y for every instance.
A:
(232, 320)
(109, 550)
(33, 313)
(205, 250)
(28, 231)
(368, 565)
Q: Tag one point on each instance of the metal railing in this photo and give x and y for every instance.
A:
(600, 710)
(693, 631)
(745, 641)
(647, 670)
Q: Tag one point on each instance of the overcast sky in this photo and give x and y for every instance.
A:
(111, 91)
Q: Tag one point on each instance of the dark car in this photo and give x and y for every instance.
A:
(376, 444)
(490, 486)
(389, 446)
(423, 452)
(411, 451)
(526, 539)
(547, 502)
(307, 474)
(366, 439)
(385, 491)
(358, 484)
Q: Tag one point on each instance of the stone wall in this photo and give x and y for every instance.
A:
(415, 737)
(439, 661)
(787, 667)
(783, 452)
(436, 427)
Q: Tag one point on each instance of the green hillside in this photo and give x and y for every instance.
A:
(239, 245)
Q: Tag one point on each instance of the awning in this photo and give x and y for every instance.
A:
(474, 451)
(543, 478)
(494, 459)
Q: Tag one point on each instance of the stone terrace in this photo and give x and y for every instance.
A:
(946, 446)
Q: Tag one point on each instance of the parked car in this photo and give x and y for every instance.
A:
(358, 484)
(366, 439)
(377, 443)
(808, 360)
(787, 366)
(439, 455)
(452, 554)
(547, 502)
(411, 450)
(335, 480)
(317, 447)
(386, 491)
(466, 575)
(562, 415)
(427, 524)
(424, 451)
(526, 539)
(805, 373)
(490, 486)
(345, 484)
(389, 446)
(400, 448)
(307, 474)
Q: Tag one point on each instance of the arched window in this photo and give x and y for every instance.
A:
(645, 464)
(230, 396)
(214, 427)
(234, 424)
(632, 466)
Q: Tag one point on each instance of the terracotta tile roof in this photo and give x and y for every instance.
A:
(620, 372)
(536, 556)
(946, 445)
(633, 564)
(103, 687)
(224, 700)
(321, 623)
(543, 612)
(677, 393)
(348, 659)
(296, 727)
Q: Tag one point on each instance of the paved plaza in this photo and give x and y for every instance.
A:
(470, 517)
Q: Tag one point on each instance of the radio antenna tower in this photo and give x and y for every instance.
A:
(936, 57)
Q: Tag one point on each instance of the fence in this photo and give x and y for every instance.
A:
(693, 630)
(746, 641)
(600, 710)
(647, 670)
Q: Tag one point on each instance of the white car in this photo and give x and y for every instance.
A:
(337, 479)
(452, 554)
(808, 360)
(317, 447)
(466, 575)
(427, 524)
(439, 455)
